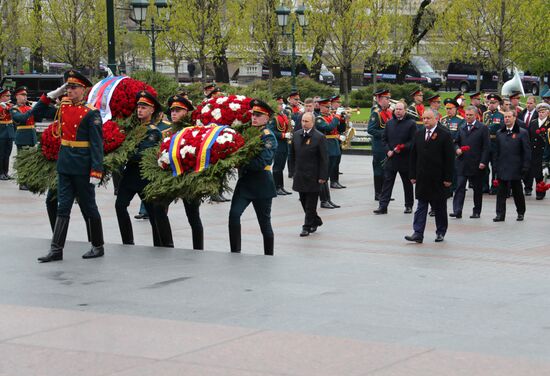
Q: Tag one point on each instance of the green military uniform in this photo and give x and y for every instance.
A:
(23, 120)
(452, 124)
(7, 134)
(376, 125)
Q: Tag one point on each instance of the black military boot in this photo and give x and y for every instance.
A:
(198, 239)
(235, 238)
(58, 240)
(96, 235)
(268, 245)
(328, 196)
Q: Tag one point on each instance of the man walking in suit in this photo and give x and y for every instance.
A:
(311, 170)
(431, 169)
(513, 157)
(472, 157)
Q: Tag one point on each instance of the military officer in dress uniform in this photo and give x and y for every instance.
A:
(494, 119)
(435, 103)
(475, 100)
(514, 102)
(132, 183)
(294, 102)
(282, 129)
(452, 120)
(417, 108)
(539, 134)
(23, 120)
(255, 184)
(459, 99)
(338, 112)
(79, 164)
(380, 115)
(180, 107)
(7, 133)
(328, 125)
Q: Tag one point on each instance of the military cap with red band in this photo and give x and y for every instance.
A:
(73, 77)
(179, 101)
(433, 98)
(515, 95)
(259, 106)
(148, 99)
(494, 97)
(21, 90)
(294, 94)
(476, 95)
(324, 101)
(4, 91)
(415, 92)
(450, 103)
(382, 93)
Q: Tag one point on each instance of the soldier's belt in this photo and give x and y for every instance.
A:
(3, 122)
(332, 136)
(75, 144)
(493, 136)
(267, 168)
(25, 127)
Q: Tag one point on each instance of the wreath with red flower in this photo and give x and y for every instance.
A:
(123, 100)
(230, 110)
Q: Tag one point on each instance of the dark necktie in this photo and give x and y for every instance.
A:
(528, 118)
(428, 134)
(470, 127)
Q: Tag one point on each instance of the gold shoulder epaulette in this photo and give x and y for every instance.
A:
(90, 106)
(460, 117)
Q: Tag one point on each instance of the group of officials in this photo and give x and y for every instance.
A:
(438, 155)
(442, 155)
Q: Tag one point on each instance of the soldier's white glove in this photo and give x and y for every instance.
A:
(54, 94)
(288, 135)
(545, 171)
(95, 181)
(340, 110)
(3, 105)
(342, 138)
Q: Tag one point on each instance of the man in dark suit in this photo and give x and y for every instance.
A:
(472, 151)
(528, 115)
(397, 138)
(311, 170)
(431, 169)
(513, 157)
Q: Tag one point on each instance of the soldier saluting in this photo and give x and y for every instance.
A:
(79, 164)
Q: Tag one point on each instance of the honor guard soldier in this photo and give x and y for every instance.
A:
(180, 107)
(494, 119)
(514, 102)
(294, 102)
(208, 89)
(539, 134)
(7, 133)
(417, 108)
(459, 99)
(435, 104)
(255, 184)
(132, 182)
(79, 163)
(339, 112)
(475, 100)
(282, 129)
(23, 120)
(328, 125)
(452, 120)
(380, 115)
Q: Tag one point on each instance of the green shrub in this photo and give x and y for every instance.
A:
(363, 96)
(282, 86)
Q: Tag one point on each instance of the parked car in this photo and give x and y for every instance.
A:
(463, 76)
(417, 70)
(37, 84)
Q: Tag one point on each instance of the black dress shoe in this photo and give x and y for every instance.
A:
(528, 192)
(431, 213)
(94, 252)
(334, 186)
(414, 238)
(380, 210)
(285, 191)
(439, 238)
(408, 210)
(326, 205)
(3, 177)
(475, 215)
(520, 217)
(304, 233)
(141, 216)
(52, 256)
(217, 198)
(498, 219)
(280, 192)
(539, 197)
(456, 215)
(340, 185)
(333, 204)
(312, 229)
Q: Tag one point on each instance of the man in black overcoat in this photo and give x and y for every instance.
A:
(513, 157)
(310, 170)
(431, 169)
(472, 157)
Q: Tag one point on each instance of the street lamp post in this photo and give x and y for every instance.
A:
(282, 19)
(139, 8)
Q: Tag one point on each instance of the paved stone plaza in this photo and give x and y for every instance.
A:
(352, 299)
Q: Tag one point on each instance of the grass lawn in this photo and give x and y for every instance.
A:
(364, 113)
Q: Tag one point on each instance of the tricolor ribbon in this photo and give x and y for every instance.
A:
(101, 94)
(203, 155)
(176, 161)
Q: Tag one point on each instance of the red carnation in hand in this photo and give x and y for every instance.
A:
(399, 147)
(542, 187)
(465, 148)
(496, 183)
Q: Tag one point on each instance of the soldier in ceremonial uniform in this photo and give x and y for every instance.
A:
(208, 89)
(180, 107)
(282, 129)
(328, 125)
(255, 184)
(294, 102)
(435, 104)
(514, 103)
(23, 120)
(417, 108)
(380, 115)
(452, 120)
(494, 119)
(7, 133)
(79, 164)
(132, 183)
(475, 100)
(539, 134)
(459, 99)
(339, 112)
